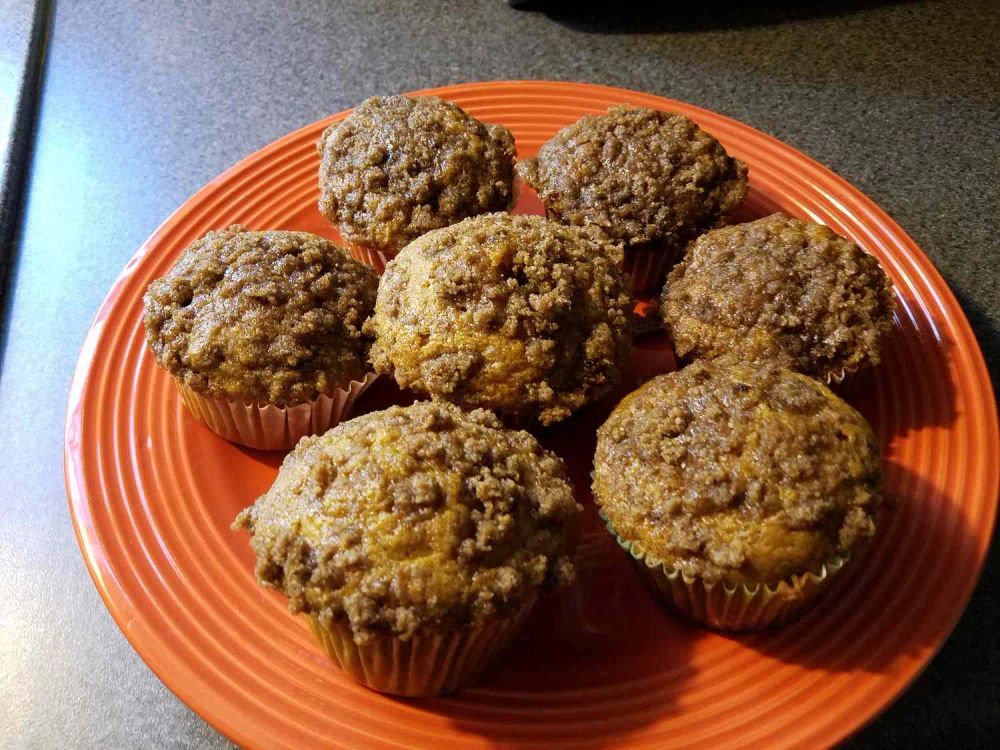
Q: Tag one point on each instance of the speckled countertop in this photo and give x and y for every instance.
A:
(143, 103)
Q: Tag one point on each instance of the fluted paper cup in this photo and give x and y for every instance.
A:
(269, 427)
(428, 663)
(646, 267)
(729, 606)
(371, 256)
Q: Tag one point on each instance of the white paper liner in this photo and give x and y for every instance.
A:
(377, 259)
(727, 606)
(836, 378)
(426, 664)
(519, 421)
(268, 427)
(646, 267)
(372, 257)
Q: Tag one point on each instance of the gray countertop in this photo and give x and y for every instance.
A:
(143, 103)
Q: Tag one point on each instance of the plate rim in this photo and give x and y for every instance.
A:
(100, 572)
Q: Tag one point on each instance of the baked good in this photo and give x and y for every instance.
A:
(262, 332)
(415, 539)
(398, 167)
(511, 313)
(651, 180)
(779, 289)
(738, 489)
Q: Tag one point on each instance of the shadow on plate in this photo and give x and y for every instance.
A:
(877, 611)
(598, 659)
(986, 324)
(912, 388)
(955, 688)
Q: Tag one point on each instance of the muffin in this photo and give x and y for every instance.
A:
(261, 331)
(399, 167)
(779, 289)
(415, 540)
(737, 491)
(650, 180)
(511, 313)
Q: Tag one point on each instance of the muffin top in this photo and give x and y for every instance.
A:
(640, 175)
(422, 516)
(741, 474)
(782, 289)
(271, 317)
(399, 167)
(511, 313)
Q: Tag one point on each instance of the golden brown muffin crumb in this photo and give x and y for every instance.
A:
(640, 175)
(511, 313)
(744, 474)
(399, 167)
(413, 517)
(272, 317)
(780, 289)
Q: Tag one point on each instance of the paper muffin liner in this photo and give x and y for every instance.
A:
(371, 256)
(518, 421)
(646, 266)
(836, 378)
(727, 606)
(377, 259)
(427, 664)
(269, 427)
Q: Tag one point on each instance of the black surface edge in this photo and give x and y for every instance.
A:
(19, 149)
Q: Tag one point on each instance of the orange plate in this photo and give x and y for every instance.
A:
(152, 495)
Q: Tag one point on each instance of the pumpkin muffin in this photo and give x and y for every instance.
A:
(650, 180)
(415, 540)
(738, 490)
(262, 332)
(779, 289)
(398, 167)
(511, 313)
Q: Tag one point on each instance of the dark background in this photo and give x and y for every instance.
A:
(142, 103)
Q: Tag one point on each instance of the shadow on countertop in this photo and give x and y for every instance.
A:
(647, 17)
(987, 333)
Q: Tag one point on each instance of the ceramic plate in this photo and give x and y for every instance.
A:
(152, 495)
